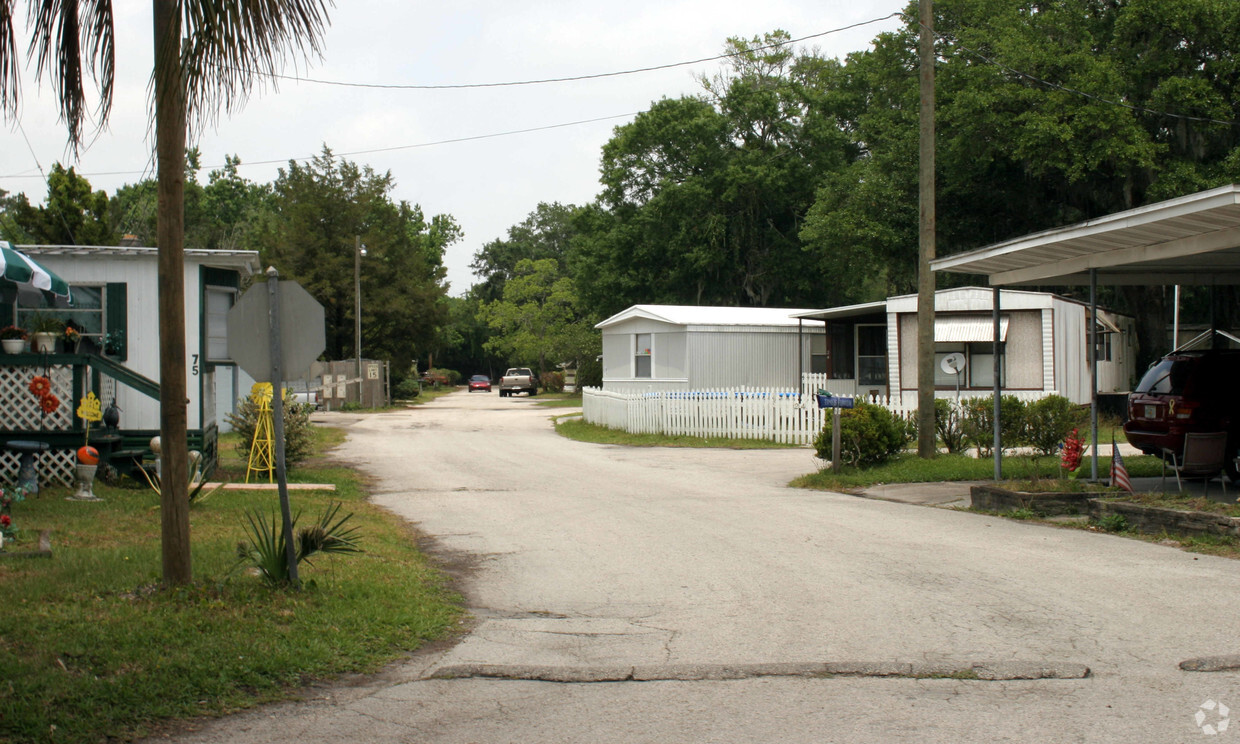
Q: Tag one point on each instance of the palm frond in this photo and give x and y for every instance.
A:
(231, 46)
(9, 71)
(328, 535)
(61, 29)
(265, 550)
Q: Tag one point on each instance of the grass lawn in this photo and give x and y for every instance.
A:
(559, 400)
(909, 468)
(91, 649)
(573, 427)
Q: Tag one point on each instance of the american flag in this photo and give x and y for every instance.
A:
(1119, 473)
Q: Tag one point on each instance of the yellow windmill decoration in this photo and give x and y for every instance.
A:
(262, 448)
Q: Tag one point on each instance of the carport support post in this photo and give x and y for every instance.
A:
(277, 421)
(997, 450)
(800, 359)
(1092, 337)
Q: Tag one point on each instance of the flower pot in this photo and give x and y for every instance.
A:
(44, 343)
(85, 483)
(13, 345)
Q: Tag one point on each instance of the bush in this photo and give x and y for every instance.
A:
(949, 424)
(552, 382)
(869, 435)
(1049, 421)
(979, 427)
(408, 388)
(435, 376)
(298, 439)
(589, 373)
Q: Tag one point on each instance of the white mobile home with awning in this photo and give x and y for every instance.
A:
(871, 349)
(116, 304)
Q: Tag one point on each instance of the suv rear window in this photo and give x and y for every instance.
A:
(1168, 377)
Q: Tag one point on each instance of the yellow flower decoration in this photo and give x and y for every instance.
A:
(89, 409)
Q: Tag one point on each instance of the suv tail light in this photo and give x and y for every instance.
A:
(1182, 410)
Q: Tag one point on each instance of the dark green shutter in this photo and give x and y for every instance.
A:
(117, 302)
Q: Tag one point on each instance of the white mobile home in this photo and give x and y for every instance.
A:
(680, 347)
(116, 304)
(872, 348)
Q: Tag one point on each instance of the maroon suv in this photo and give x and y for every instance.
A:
(1187, 391)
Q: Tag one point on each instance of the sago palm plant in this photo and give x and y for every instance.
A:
(265, 549)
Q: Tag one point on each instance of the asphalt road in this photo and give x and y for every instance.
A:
(707, 590)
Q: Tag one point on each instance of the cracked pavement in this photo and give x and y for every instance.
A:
(586, 559)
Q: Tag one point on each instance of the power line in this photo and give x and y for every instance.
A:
(377, 149)
(68, 229)
(575, 78)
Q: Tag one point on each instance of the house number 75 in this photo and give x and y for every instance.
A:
(194, 368)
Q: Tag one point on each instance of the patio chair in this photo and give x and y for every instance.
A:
(1204, 456)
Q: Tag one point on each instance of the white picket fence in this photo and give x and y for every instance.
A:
(780, 415)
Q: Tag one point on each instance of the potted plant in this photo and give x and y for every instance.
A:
(45, 329)
(72, 337)
(13, 339)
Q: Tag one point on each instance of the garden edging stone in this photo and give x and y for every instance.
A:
(1138, 516)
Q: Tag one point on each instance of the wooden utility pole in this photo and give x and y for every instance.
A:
(926, 446)
(170, 237)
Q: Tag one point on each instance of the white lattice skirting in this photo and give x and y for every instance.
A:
(21, 412)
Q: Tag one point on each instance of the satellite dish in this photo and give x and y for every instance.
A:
(953, 364)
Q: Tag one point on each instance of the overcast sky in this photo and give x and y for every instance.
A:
(487, 184)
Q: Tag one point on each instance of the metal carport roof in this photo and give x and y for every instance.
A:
(1192, 240)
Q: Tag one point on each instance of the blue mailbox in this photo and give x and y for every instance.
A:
(827, 400)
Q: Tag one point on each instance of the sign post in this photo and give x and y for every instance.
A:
(257, 343)
(277, 414)
(835, 403)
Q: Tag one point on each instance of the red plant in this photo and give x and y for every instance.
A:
(5, 520)
(1073, 447)
(41, 386)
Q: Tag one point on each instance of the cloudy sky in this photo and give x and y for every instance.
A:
(488, 183)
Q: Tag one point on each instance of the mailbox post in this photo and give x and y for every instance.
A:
(835, 403)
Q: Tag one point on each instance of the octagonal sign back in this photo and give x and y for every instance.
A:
(303, 335)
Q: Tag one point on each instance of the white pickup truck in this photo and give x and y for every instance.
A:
(518, 380)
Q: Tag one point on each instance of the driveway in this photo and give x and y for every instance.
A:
(718, 605)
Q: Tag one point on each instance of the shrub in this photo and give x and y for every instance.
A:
(1050, 421)
(869, 435)
(408, 388)
(298, 438)
(266, 551)
(552, 382)
(949, 424)
(978, 423)
(444, 376)
(590, 373)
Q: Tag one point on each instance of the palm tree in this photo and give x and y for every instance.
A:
(208, 55)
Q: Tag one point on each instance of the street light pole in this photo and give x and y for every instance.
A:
(357, 309)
